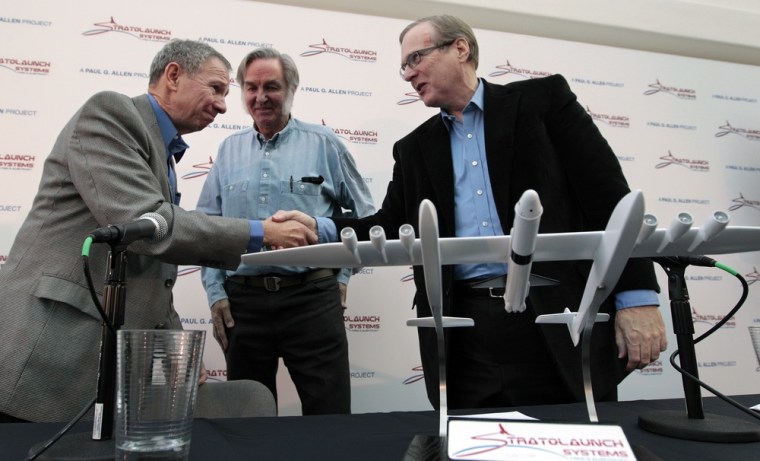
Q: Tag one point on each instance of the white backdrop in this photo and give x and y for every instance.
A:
(686, 131)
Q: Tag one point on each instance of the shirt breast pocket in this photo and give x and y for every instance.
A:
(298, 195)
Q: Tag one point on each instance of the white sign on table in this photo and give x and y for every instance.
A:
(487, 440)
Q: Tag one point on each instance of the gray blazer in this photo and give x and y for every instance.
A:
(108, 166)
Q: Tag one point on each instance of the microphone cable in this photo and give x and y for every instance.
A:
(713, 329)
(88, 276)
(48, 443)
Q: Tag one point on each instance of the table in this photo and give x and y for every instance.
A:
(386, 436)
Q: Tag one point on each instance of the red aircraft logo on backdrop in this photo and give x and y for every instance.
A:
(353, 54)
(741, 202)
(203, 169)
(142, 33)
(753, 135)
(504, 69)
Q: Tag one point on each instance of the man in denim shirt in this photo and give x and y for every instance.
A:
(263, 313)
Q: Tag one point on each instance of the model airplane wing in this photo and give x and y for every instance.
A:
(473, 250)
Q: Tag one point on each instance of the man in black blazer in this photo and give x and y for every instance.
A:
(474, 160)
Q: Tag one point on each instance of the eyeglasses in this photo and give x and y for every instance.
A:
(415, 57)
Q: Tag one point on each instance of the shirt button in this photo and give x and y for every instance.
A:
(479, 192)
(266, 154)
(474, 163)
(262, 199)
(264, 175)
(469, 135)
(169, 283)
(484, 224)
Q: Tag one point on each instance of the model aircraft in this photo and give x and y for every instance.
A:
(630, 233)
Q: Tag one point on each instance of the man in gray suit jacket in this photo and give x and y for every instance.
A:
(112, 163)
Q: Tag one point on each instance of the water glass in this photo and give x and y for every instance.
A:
(156, 388)
(754, 334)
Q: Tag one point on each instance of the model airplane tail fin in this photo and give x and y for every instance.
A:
(569, 318)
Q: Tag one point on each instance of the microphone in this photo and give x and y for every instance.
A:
(151, 226)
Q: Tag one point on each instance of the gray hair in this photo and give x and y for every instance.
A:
(289, 68)
(449, 28)
(189, 54)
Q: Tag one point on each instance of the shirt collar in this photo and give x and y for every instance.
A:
(475, 102)
(280, 134)
(173, 143)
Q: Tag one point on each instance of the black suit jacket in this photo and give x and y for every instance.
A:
(537, 136)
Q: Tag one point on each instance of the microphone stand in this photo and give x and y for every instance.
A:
(99, 444)
(695, 424)
(114, 298)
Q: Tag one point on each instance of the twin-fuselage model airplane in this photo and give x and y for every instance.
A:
(629, 234)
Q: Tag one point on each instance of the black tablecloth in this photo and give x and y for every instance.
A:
(387, 436)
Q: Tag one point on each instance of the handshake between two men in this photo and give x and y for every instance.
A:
(287, 229)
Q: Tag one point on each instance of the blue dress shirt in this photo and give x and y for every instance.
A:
(173, 142)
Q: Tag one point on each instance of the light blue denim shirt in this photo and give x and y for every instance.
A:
(475, 209)
(303, 167)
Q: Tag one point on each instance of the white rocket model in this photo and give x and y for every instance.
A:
(528, 212)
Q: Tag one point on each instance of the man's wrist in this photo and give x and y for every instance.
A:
(327, 232)
(636, 298)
